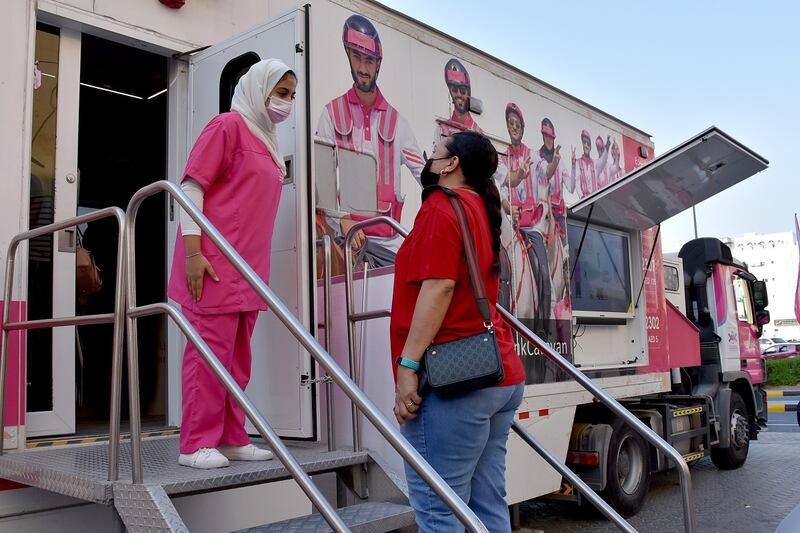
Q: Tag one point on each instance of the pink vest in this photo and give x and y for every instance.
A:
(587, 175)
(523, 195)
(388, 203)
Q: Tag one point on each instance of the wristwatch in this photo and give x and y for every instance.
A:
(408, 363)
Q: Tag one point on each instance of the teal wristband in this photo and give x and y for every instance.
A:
(408, 363)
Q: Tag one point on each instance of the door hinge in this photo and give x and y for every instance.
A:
(306, 381)
(298, 48)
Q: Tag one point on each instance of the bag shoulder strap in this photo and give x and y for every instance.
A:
(469, 251)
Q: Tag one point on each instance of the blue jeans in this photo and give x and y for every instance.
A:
(464, 440)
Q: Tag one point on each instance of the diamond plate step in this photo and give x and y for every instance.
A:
(80, 471)
(370, 517)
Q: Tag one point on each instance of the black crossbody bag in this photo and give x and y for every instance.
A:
(472, 362)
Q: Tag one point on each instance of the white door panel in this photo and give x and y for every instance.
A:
(278, 360)
(61, 419)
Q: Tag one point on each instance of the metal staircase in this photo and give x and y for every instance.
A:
(139, 477)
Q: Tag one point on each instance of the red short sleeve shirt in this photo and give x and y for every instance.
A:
(434, 250)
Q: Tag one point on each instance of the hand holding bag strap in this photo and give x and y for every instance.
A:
(469, 251)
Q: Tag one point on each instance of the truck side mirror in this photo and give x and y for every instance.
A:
(762, 317)
(760, 297)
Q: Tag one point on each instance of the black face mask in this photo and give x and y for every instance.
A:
(426, 177)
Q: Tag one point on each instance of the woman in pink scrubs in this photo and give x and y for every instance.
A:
(234, 174)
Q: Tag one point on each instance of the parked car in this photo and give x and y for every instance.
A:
(766, 342)
(782, 351)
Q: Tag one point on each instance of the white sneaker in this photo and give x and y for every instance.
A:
(203, 458)
(246, 453)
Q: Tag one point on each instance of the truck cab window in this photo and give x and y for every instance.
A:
(744, 309)
(671, 278)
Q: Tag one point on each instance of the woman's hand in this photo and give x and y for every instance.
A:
(407, 402)
(196, 268)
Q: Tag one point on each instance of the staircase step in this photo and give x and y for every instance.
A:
(370, 517)
(81, 471)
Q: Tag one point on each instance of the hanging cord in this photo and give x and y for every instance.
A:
(647, 268)
(583, 237)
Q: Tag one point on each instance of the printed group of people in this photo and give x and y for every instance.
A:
(234, 175)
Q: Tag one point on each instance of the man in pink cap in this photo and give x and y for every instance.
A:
(616, 171)
(458, 83)
(362, 120)
(587, 169)
(602, 161)
(548, 170)
(529, 206)
(585, 166)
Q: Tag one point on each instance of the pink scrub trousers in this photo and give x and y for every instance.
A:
(211, 417)
(242, 185)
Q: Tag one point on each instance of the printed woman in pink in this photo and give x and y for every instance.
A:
(234, 174)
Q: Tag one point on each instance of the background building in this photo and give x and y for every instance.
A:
(773, 257)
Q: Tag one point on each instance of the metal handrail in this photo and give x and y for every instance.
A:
(327, 246)
(352, 316)
(637, 425)
(306, 339)
(617, 408)
(116, 318)
(261, 424)
(573, 478)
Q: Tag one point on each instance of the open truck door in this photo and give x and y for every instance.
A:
(281, 367)
(684, 176)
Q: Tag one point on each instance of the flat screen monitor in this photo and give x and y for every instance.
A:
(601, 279)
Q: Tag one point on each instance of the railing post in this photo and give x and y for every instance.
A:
(7, 303)
(74, 320)
(326, 249)
(310, 343)
(116, 354)
(615, 407)
(137, 473)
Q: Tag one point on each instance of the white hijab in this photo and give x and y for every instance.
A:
(249, 96)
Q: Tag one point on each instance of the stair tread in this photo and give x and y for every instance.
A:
(362, 517)
(80, 471)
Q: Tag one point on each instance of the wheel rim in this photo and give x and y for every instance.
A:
(630, 465)
(740, 430)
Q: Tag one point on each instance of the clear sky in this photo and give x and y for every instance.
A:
(669, 68)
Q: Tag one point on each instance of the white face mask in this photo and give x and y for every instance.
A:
(278, 109)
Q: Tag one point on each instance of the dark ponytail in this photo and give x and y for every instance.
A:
(478, 160)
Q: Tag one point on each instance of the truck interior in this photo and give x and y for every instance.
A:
(122, 143)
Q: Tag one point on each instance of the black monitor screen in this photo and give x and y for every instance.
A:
(601, 281)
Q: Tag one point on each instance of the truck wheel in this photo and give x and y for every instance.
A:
(628, 470)
(735, 454)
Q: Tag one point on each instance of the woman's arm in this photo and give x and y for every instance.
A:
(432, 305)
(196, 264)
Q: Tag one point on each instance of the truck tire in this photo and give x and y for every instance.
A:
(628, 470)
(735, 454)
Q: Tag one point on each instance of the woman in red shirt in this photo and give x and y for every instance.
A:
(462, 437)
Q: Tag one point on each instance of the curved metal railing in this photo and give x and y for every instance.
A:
(306, 339)
(618, 409)
(116, 318)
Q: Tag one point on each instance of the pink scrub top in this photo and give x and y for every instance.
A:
(242, 189)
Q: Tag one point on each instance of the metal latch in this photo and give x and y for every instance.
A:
(306, 381)
(66, 241)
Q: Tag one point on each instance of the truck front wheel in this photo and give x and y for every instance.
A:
(628, 470)
(735, 454)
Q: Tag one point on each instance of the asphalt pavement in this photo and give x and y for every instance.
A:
(785, 422)
(755, 497)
